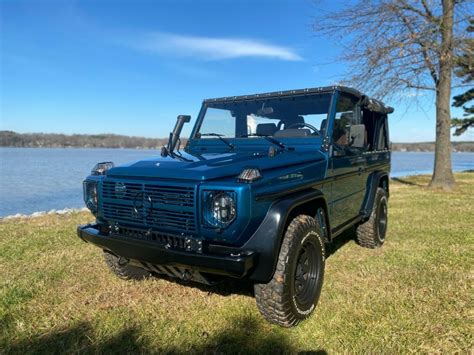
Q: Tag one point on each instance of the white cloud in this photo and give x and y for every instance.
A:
(213, 48)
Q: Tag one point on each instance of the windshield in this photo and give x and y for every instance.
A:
(295, 116)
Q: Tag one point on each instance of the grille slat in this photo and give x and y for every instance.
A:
(172, 206)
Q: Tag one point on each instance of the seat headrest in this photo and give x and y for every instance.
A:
(291, 122)
(347, 115)
(295, 121)
(266, 129)
(298, 119)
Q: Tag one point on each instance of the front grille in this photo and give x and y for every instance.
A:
(171, 195)
(154, 205)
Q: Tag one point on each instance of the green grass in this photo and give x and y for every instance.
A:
(415, 294)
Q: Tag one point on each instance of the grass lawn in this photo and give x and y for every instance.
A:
(413, 294)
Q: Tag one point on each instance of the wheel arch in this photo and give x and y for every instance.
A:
(375, 180)
(310, 208)
(268, 237)
(384, 183)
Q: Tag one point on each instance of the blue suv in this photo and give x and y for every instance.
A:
(262, 186)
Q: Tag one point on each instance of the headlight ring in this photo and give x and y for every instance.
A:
(220, 209)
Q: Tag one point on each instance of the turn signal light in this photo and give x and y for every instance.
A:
(101, 168)
(249, 175)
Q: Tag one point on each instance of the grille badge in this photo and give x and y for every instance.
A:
(120, 190)
(142, 205)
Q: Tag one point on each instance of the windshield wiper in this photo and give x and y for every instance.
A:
(268, 138)
(220, 136)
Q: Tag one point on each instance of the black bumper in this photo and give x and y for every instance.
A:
(236, 264)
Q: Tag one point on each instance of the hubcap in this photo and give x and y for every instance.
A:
(306, 275)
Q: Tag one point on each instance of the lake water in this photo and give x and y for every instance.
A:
(33, 179)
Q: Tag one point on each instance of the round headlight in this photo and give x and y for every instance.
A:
(222, 209)
(90, 195)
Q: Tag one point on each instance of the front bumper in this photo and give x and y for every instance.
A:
(232, 262)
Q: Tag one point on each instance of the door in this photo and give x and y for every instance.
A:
(347, 161)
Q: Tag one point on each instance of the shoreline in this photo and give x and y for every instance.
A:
(62, 212)
(68, 211)
(403, 150)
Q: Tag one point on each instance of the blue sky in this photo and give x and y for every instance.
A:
(130, 67)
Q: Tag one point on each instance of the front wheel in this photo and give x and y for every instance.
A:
(120, 267)
(293, 292)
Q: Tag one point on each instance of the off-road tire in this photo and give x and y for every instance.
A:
(371, 233)
(120, 267)
(278, 300)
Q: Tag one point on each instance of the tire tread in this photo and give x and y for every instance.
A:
(273, 299)
(125, 271)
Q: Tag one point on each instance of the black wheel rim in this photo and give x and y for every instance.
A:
(306, 275)
(382, 219)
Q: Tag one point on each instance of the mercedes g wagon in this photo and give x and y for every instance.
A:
(262, 186)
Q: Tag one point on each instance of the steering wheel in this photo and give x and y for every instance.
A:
(300, 125)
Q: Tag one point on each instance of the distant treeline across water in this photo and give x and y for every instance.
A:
(54, 140)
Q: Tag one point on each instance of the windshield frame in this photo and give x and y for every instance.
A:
(312, 140)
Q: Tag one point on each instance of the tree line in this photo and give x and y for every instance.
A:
(53, 140)
(430, 147)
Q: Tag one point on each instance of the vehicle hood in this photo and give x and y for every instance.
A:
(211, 165)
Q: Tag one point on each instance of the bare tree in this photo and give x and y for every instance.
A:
(398, 45)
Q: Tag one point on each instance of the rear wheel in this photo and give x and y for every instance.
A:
(294, 290)
(371, 234)
(120, 266)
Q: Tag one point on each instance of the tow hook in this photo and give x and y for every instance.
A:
(186, 276)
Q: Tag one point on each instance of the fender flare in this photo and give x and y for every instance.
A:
(373, 182)
(267, 239)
